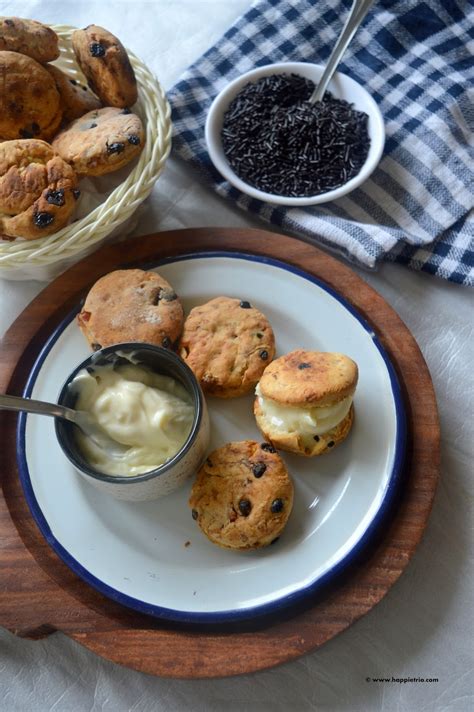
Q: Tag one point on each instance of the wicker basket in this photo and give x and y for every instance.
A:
(46, 257)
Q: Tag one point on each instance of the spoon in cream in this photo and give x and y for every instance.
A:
(85, 421)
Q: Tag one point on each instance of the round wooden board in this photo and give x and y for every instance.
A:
(40, 594)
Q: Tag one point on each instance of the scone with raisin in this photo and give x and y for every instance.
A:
(227, 343)
(106, 66)
(30, 105)
(38, 190)
(243, 496)
(101, 141)
(28, 37)
(76, 98)
(131, 305)
(304, 400)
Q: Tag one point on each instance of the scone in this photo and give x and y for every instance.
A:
(131, 305)
(28, 37)
(101, 141)
(227, 343)
(38, 190)
(30, 105)
(304, 401)
(242, 496)
(76, 98)
(106, 66)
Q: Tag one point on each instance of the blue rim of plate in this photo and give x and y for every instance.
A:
(228, 616)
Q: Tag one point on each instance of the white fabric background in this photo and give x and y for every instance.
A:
(423, 628)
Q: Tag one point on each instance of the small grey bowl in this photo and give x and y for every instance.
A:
(173, 473)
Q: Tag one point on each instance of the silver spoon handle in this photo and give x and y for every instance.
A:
(357, 13)
(34, 406)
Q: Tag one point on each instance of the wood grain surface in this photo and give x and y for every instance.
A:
(39, 594)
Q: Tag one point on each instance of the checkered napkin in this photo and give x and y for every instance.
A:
(416, 59)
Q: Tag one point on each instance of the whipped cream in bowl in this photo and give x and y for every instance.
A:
(146, 399)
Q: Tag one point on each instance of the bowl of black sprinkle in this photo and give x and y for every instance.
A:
(267, 140)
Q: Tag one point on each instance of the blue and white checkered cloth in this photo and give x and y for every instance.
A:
(416, 59)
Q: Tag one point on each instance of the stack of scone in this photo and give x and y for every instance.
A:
(243, 495)
(55, 130)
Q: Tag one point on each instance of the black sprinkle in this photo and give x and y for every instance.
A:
(126, 111)
(316, 437)
(134, 140)
(42, 219)
(76, 193)
(268, 447)
(96, 347)
(258, 469)
(331, 443)
(245, 305)
(93, 126)
(263, 355)
(96, 49)
(166, 343)
(275, 140)
(55, 197)
(259, 335)
(73, 82)
(302, 366)
(194, 514)
(245, 507)
(277, 506)
(169, 295)
(115, 147)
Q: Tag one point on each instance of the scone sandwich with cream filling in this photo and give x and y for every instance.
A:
(304, 401)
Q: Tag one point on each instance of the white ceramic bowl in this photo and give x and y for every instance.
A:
(173, 473)
(341, 86)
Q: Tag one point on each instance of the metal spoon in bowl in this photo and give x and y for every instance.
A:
(85, 421)
(357, 13)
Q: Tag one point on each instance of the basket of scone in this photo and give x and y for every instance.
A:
(242, 492)
(85, 130)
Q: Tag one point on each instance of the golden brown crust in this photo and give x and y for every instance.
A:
(101, 141)
(106, 66)
(309, 377)
(28, 37)
(38, 190)
(30, 105)
(227, 346)
(131, 305)
(293, 442)
(76, 98)
(242, 496)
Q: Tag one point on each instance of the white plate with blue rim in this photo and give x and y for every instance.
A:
(151, 556)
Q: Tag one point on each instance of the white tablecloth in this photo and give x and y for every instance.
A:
(423, 627)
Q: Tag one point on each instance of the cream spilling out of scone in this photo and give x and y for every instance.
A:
(304, 401)
(150, 413)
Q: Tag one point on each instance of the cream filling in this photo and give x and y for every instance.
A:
(305, 422)
(150, 413)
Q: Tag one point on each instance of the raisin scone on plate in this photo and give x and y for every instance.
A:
(131, 305)
(227, 343)
(304, 402)
(243, 496)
